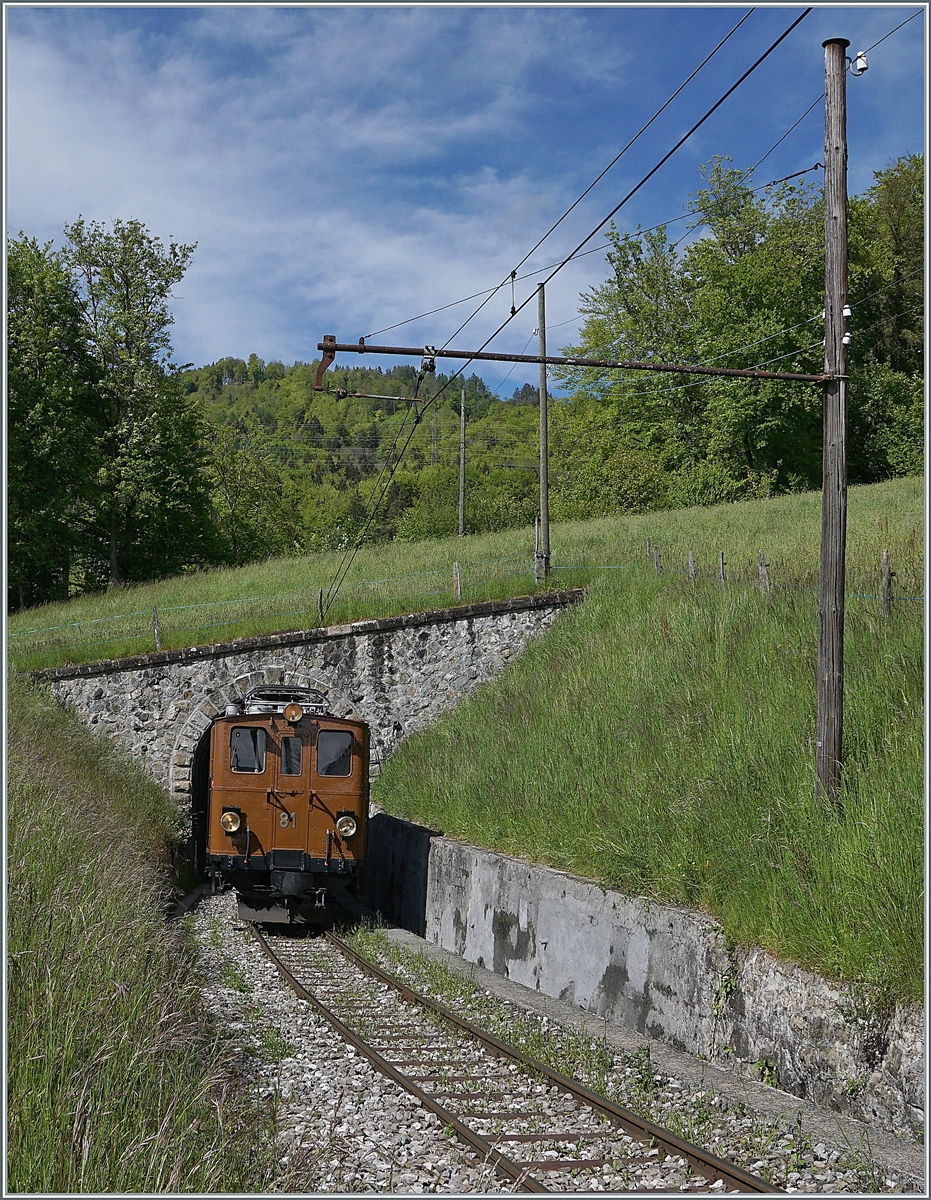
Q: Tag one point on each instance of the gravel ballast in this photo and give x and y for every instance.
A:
(344, 1127)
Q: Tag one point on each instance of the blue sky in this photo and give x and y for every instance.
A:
(343, 168)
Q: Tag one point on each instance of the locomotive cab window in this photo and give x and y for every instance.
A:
(334, 752)
(247, 749)
(291, 756)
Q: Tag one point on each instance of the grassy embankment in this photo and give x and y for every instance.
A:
(660, 739)
(383, 580)
(115, 1082)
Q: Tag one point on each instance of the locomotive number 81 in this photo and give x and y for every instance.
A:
(288, 805)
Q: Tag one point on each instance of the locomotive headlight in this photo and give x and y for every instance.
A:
(230, 821)
(346, 826)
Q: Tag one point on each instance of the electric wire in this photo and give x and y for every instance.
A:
(333, 590)
(340, 574)
(650, 229)
(649, 174)
(513, 365)
(789, 328)
(617, 157)
(811, 106)
(583, 254)
(892, 31)
(511, 276)
(575, 253)
(818, 99)
(789, 354)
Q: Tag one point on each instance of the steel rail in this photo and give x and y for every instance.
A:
(516, 1172)
(331, 348)
(638, 1127)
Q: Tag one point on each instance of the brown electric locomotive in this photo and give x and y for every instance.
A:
(287, 818)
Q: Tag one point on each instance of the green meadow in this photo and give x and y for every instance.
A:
(396, 577)
(116, 1081)
(660, 737)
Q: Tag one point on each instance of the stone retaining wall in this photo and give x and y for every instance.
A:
(398, 674)
(665, 971)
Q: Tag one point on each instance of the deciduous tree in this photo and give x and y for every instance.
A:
(154, 505)
(52, 424)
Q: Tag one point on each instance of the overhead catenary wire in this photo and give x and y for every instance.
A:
(513, 365)
(490, 291)
(511, 277)
(341, 573)
(327, 598)
(813, 105)
(892, 31)
(576, 253)
(597, 249)
(616, 159)
(649, 174)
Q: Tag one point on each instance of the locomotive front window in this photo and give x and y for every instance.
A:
(247, 749)
(291, 756)
(334, 750)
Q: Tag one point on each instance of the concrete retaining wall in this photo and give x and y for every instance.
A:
(664, 971)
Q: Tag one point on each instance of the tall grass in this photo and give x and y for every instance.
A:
(387, 579)
(115, 1082)
(660, 739)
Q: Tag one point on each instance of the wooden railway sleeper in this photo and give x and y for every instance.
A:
(638, 1128)
(512, 1170)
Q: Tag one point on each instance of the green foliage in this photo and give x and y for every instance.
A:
(300, 470)
(122, 468)
(887, 253)
(153, 510)
(676, 761)
(749, 291)
(604, 466)
(107, 471)
(116, 1080)
(51, 423)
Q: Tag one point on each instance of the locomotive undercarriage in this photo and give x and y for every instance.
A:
(282, 896)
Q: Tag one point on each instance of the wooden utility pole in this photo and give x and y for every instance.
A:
(541, 565)
(462, 462)
(830, 722)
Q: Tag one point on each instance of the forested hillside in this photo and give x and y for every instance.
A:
(123, 467)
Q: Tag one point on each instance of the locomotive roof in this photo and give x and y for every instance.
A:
(272, 700)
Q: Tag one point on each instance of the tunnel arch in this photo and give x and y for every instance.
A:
(190, 757)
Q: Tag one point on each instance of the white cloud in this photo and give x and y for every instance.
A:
(342, 168)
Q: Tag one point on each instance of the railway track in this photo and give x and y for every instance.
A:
(538, 1129)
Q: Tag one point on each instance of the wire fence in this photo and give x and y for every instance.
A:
(143, 630)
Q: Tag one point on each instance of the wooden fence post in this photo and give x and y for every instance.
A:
(764, 574)
(155, 629)
(888, 576)
(721, 566)
(657, 565)
(691, 566)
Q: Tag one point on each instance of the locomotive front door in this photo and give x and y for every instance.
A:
(288, 793)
